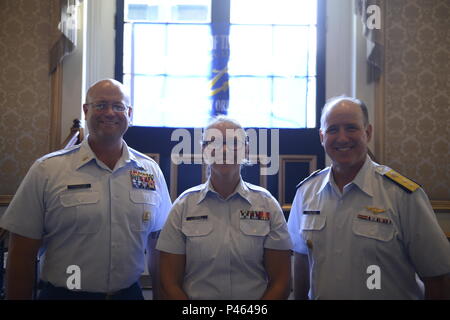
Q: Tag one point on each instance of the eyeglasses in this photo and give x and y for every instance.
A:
(236, 144)
(102, 106)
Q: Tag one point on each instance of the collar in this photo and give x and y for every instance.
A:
(362, 179)
(131, 157)
(326, 180)
(241, 189)
(86, 155)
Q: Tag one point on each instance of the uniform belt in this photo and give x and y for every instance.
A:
(53, 292)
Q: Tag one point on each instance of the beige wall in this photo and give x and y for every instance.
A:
(417, 92)
(24, 87)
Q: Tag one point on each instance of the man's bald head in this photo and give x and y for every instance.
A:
(106, 124)
(332, 102)
(107, 85)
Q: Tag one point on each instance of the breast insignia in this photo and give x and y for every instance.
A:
(375, 210)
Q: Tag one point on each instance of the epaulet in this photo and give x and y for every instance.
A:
(312, 175)
(142, 155)
(406, 184)
(190, 190)
(256, 188)
(59, 152)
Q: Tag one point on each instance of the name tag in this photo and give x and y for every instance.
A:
(196, 218)
(311, 212)
(79, 186)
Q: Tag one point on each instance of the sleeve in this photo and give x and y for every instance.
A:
(425, 241)
(294, 224)
(25, 213)
(278, 237)
(165, 203)
(172, 239)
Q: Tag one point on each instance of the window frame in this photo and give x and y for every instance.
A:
(221, 5)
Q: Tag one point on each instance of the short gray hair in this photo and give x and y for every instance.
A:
(226, 119)
(337, 99)
(221, 119)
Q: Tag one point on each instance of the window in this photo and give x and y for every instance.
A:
(169, 70)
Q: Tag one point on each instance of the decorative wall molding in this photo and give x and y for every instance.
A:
(284, 159)
(379, 124)
(5, 200)
(55, 108)
(440, 205)
(191, 158)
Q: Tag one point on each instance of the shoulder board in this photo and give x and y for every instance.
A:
(405, 183)
(190, 190)
(60, 152)
(256, 188)
(312, 175)
(139, 154)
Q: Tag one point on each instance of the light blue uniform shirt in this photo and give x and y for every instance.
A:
(100, 223)
(224, 247)
(373, 222)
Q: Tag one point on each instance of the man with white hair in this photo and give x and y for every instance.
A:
(360, 229)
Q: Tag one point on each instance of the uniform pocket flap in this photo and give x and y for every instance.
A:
(196, 228)
(373, 230)
(148, 197)
(79, 198)
(313, 222)
(255, 227)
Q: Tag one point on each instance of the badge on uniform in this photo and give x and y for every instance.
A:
(146, 216)
(374, 219)
(142, 180)
(255, 215)
(375, 210)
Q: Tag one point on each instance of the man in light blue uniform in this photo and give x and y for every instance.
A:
(91, 210)
(361, 230)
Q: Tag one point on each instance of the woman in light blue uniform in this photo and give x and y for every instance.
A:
(225, 239)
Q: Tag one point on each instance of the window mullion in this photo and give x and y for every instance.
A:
(220, 30)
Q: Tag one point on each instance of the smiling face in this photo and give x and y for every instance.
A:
(225, 147)
(106, 125)
(221, 148)
(345, 136)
